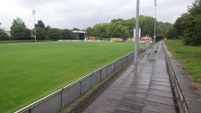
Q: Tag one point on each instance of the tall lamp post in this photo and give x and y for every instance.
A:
(136, 36)
(34, 12)
(155, 2)
(0, 24)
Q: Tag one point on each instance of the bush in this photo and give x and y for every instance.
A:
(4, 37)
(159, 37)
(194, 40)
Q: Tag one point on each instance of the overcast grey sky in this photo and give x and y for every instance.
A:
(86, 13)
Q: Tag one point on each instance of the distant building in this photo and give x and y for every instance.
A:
(146, 38)
(91, 38)
(116, 39)
(78, 35)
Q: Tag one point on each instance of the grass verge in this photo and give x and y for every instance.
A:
(189, 56)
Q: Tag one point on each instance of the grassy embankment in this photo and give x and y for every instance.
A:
(29, 71)
(189, 56)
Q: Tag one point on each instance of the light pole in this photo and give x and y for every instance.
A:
(155, 22)
(136, 36)
(34, 12)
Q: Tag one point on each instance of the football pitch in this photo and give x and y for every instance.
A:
(29, 71)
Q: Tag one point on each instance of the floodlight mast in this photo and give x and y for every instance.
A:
(136, 36)
(34, 34)
(155, 2)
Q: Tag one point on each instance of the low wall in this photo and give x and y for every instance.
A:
(180, 100)
(56, 101)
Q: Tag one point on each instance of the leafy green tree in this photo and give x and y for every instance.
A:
(130, 23)
(100, 30)
(40, 33)
(47, 28)
(109, 29)
(104, 33)
(188, 26)
(147, 25)
(197, 32)
(178, 27)
(120, 31)
(163, 28)
(117, 20)
(124, 28)
(171, 34)
(19, 30)
(159, 37)
(1, 31)
(40, 24)
(125, 32)
(76, 29)
(28, 34)
(187, 30)
(117, 32)
(3, 35)
(195, 9)
(90, 31)
(54, 34)
(97, 30)
(66, 34)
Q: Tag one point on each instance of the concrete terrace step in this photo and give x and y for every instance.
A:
(159, 96)
(147, 92)
(153, 52)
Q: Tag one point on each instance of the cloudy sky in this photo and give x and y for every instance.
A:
(86, 13)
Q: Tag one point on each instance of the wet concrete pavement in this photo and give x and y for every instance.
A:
(147, 92)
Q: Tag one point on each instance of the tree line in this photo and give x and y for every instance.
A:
(124, 28)
(3, 35)
(116, 28)
(188, 26)
(19, 31)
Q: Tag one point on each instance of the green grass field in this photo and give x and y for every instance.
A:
(29, 71)
(189, 56)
